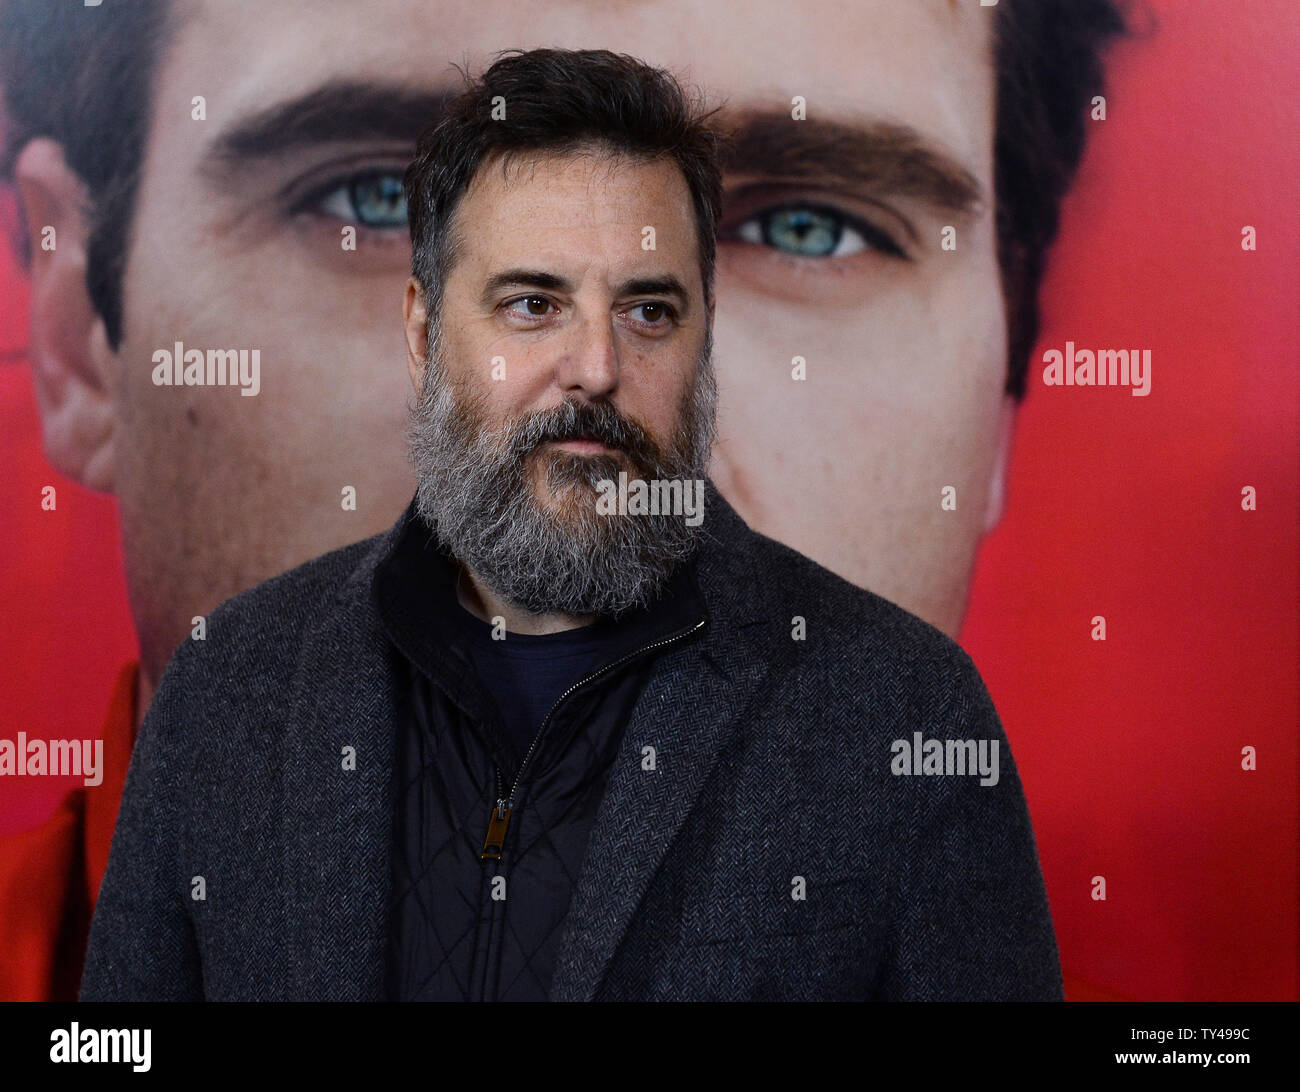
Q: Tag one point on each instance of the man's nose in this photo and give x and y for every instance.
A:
(589, 362)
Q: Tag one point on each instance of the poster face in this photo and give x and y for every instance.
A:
(999, 303)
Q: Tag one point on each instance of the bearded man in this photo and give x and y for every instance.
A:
(523, 746)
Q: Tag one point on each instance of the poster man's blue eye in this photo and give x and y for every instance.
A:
(378, 200)
(814, 231)
(809, 232)
(373, 199)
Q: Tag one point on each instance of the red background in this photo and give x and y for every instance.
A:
(1130, 750)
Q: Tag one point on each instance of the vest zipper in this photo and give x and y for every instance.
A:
(499, 815)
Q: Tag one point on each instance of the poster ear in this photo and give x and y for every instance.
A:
(997, 491)
(67, 342)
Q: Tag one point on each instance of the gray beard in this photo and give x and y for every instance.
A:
(474, 491)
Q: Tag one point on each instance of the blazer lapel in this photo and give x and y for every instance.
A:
(338, 820)
(688, 712)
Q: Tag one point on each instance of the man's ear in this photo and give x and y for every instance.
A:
(67, 345)
(997, 494)
(416, 322)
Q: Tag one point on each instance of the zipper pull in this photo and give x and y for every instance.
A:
(498, 824)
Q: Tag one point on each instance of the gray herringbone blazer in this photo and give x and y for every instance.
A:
(770, 850)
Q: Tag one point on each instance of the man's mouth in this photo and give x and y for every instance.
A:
(584, 445)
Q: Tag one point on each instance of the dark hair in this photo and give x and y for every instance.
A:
(557, 101)
(1048, 65)
(85, 83)
(81, 76)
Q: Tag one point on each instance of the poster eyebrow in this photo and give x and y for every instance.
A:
(874, 156)
(338, 111)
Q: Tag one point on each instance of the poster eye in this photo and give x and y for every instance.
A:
(814, 231)
(373, 199)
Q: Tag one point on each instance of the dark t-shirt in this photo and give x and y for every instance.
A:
(526, 673)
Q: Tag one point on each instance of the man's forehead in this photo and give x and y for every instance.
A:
(519, 175)
(926, 63)
(571, 209)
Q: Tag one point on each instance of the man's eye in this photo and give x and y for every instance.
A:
(374, 199)
(814, 231)
(652, 313)
(532, 306)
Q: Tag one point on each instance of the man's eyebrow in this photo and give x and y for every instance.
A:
(875, 157)
(341, 110)
(524, 278)
(667, 285)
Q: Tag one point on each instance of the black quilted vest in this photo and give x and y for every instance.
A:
(462, 927)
